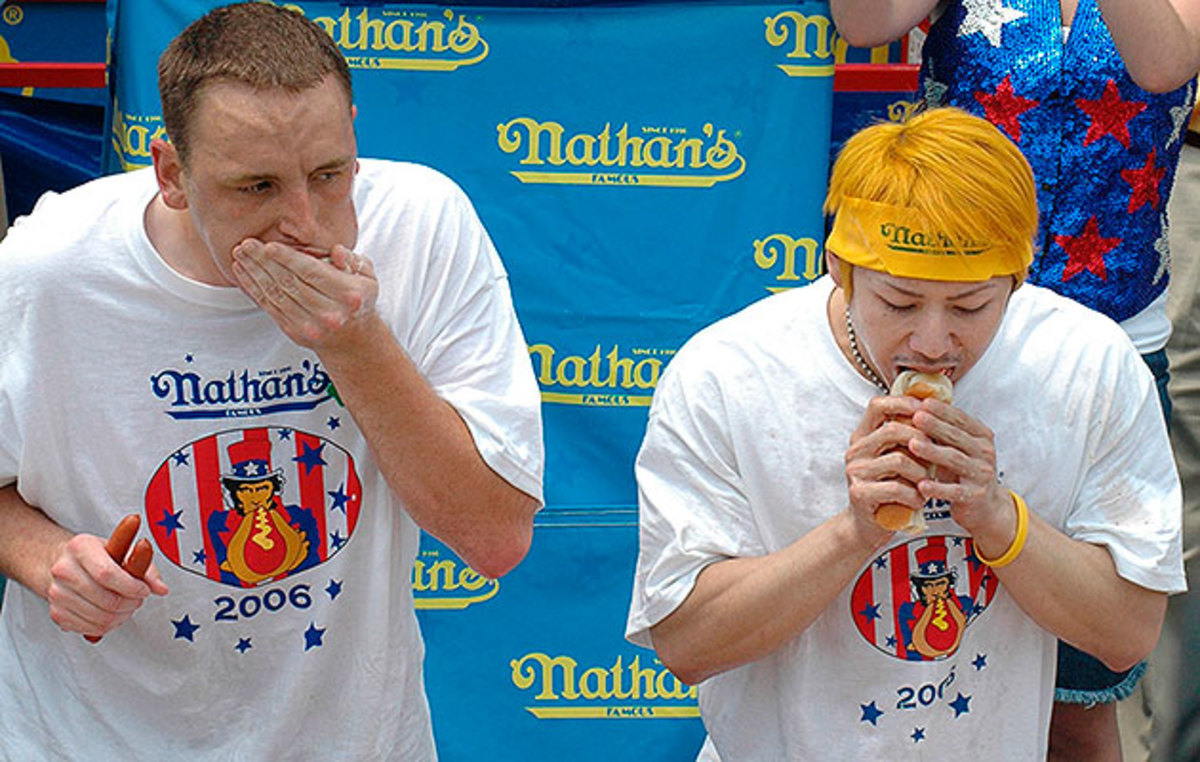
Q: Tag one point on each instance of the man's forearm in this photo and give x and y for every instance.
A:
(743, 609)
(1072, 589)
(29, 542)
(427, 453)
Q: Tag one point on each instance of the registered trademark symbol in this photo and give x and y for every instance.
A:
(13, 14)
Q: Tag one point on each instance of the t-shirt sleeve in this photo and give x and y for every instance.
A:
(693, 510)
(1130, 500)
(476, 357)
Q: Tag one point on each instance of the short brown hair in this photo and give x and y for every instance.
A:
(254, 43)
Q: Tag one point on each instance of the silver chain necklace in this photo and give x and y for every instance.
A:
(872, 376)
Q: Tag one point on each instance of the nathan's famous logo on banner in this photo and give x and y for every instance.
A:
(664, 156)
(374, 37)
(448, 583)
(782, 254)
(638, 687)
(601, 376)
(812, 43)
(251, 506)
(131, 135)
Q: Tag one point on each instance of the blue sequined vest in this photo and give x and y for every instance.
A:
(1103, 150)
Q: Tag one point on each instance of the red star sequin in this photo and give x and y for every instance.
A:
(1144, 183)
(1110, 115)
(1004, 106)
(1086, 251)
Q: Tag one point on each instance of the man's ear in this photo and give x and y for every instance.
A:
(833, 266)
(168, 170)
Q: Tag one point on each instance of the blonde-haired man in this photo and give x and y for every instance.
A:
(1051, 505)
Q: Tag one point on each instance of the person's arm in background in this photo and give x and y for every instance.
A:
(1159, 40)
(868, 23)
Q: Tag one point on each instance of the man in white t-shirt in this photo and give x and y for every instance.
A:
(285, 362)
(1047, 487)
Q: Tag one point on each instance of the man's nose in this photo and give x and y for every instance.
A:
(297, 216)
(931, 336)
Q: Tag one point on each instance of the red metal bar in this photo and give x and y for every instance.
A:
(862, 78)
(35, 74)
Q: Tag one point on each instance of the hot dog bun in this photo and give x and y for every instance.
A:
(897, 517)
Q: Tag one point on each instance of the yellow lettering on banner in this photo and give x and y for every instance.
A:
(542, 143)
(555, 680)
(361, 31)
(780, 247)
(131, 135)
(599, 372)
(449, 576)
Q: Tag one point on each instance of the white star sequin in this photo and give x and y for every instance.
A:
(989, 17)
(1180, 115)
(1164, 251)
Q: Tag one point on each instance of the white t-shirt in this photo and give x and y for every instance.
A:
(126, 387)
(744, 454)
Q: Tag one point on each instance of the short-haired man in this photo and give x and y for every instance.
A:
(1047, 486)
(179, 344)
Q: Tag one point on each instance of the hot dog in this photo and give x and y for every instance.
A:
(138, 561)
(897, 516)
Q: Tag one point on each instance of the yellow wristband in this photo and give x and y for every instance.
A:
(1018, 542)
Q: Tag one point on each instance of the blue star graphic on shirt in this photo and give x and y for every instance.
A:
(961, 705)
(170, 521)
(958, 541)
(973, 559)
(340, 498)
(881, 562)
(918, 735)
(189, 357)
(870, 612)
(891, 641)
(870, 713)
(334, 588)
(243, 645)
(181, 458)
(311, 458)
(199, 556)
(185, 629)
(285, 434)
(336, 540)
(333, 422)
(313, 636)
(979, 662)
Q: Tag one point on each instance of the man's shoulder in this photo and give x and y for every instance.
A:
(85, 215)
(402, 181)
(767, 330)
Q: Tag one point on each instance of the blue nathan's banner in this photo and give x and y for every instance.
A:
(644, 170)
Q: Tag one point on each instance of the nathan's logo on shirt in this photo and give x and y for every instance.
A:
(779, 253)
(604, 377)
(562, 689)
(396, 38)
(934, 243)
(131, 135)
(252, 506)
(448, 583)
(916, 600)
(242, 393)
(663, 156)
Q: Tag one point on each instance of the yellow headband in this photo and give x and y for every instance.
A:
(900, 241)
